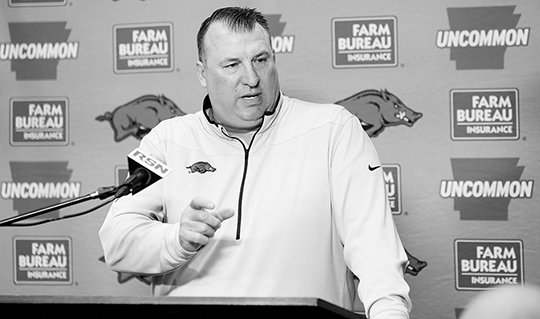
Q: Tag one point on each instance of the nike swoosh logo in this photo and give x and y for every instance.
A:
(372, 168)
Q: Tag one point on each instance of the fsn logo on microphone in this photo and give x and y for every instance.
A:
(149, 162)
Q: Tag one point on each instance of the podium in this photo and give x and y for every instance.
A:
(166, 307)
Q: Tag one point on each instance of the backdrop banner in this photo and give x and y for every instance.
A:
(447, 90)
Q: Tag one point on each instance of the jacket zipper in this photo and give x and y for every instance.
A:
(241, 195)
(244, 174)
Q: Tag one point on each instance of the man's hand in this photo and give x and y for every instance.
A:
(199, 223)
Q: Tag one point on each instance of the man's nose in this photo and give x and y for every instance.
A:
(250, 76)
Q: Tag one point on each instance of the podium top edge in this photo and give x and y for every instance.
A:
(168, 301)
(21, 299)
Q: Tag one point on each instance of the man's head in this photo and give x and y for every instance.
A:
(237, 67)
(235, 18)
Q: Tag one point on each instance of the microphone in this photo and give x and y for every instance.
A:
(144, 170)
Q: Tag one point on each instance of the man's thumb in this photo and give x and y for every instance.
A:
(223, 214)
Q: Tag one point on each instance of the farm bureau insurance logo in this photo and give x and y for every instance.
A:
(36, 49)
(42, 260)
(485, 264)
(39, 184)
(280, 43)
(364, 42)
(483, 187)
(143, 47)
(478, 36)
(489, 114)
(38, 121)
(392, 179)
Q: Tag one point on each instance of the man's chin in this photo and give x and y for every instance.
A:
(251, 123)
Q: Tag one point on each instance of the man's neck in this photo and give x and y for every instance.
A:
(245, 134)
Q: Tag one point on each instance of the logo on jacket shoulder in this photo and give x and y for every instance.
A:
(200, 167)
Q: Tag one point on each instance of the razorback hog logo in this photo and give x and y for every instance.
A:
(378, 109)
(136, 118)
(200, 167)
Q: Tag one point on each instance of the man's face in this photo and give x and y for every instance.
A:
(240, 76)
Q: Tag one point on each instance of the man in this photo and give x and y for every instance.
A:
(287, 199)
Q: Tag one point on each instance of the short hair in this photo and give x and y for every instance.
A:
(236, 18)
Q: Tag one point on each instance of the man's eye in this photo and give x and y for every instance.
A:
(261, 60)
(231, 65)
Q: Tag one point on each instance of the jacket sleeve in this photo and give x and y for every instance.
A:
(134, 235)
(373, 249)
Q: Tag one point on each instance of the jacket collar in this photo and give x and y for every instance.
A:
(269, 115)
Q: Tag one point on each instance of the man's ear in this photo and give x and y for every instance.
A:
(201, 73)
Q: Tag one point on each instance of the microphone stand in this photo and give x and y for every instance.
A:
(101, 193)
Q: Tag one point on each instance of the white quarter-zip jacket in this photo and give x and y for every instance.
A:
(310, 202)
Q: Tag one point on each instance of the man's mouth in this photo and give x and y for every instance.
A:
(251, 97)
